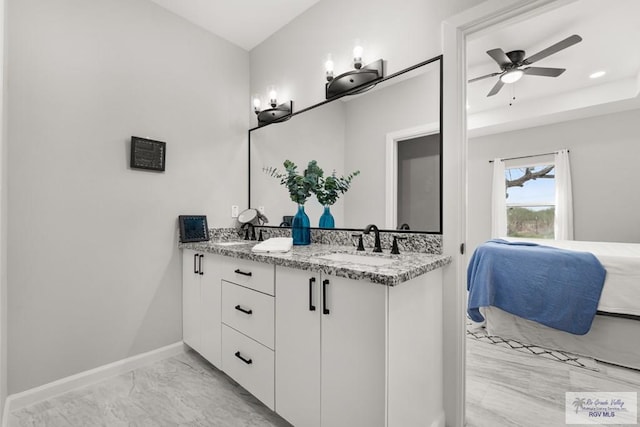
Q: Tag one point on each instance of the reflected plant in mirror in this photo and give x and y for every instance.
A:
(327, 193)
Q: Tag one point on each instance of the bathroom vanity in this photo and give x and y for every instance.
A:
(323, 335)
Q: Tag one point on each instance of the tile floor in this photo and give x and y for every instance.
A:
(184, 390)
(514, 389)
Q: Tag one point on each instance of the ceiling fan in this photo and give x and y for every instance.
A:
(511, 64)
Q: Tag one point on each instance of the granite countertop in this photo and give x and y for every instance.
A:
(404, 267)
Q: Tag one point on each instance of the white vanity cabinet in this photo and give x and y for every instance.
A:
(330, 359)
(321, 350)
(201, 303)
(372, 358)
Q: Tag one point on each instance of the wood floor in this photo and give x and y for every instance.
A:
(181, 391)
(509, 388)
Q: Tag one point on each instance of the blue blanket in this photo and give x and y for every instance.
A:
(555, 287)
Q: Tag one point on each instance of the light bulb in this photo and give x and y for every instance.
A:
(328, 66)
(256, 104)
(273, 98)
(511, 76)
(357, 57)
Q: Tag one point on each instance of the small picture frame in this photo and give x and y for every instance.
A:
(193, 228)
(148, 154)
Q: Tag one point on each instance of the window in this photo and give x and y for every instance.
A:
(531, 201)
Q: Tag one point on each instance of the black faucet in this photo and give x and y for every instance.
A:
(376, 244)
(248, 226)
(394, 247)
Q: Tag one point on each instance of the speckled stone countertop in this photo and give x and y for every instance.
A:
(406, 266)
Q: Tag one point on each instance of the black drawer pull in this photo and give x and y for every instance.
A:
(200, 265)
(325, 310)
(244, 273)
(247, 361)
(195, 264)
(312, 307)
(243, 310)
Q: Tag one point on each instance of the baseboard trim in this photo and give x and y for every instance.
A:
(63, 385)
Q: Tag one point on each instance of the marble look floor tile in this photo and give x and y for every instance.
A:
(181, 391)
(509, 388)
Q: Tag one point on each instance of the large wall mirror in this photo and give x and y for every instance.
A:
(390, 133)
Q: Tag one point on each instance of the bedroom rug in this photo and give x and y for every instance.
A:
(480, 334)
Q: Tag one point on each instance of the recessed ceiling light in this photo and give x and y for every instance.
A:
(597, 74)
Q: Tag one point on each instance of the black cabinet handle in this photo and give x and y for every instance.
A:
(247, 361)
(195, 265)
(243, 310)
(200, 265)
(312, 307)
(325, 310)
(244, 273)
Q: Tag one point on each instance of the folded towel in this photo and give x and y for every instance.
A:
(274, 244)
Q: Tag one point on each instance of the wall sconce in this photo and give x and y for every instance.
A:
(354, 81)
(276, 113)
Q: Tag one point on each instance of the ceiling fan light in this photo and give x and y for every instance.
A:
(512, 76)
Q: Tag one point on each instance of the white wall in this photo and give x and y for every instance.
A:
(94, 270)
(403, 33)
(3, 214)
(604, 151)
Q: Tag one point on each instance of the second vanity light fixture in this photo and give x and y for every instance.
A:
(355, 81)
(274, 114)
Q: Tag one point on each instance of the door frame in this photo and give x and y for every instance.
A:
(391, 167)
(455, 31)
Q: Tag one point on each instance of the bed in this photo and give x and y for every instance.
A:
(614, 331)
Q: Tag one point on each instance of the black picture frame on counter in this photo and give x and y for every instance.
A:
(193, 228)
(148, 154)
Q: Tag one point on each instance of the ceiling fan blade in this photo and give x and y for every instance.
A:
(569, 41)
(496, 88)
(544, 71)
(483, 77)
(500, 57)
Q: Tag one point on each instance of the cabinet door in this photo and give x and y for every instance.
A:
(191, 329)
(210, 309)
(353, 352)
(298, 310)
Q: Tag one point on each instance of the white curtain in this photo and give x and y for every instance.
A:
(564, 199)
(498, 201)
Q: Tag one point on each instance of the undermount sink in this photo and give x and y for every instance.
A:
(373, 261)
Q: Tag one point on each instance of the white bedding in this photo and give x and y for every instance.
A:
(621, 291)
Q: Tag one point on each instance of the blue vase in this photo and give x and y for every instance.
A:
(300, 228)
(326, 219)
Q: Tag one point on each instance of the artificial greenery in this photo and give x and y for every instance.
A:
(327, 190)
(331, 187)
(300, 186)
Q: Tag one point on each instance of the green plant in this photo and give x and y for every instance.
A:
(300, 186)
(331, 187)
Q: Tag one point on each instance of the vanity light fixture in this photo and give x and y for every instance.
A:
(354, 81)
(276, 113)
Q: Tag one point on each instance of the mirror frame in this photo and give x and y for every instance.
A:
(353, 92)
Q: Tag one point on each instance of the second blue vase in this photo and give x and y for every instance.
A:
(300, 228)
(326, 219)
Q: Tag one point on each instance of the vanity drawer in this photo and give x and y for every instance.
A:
(252, 274)
(249, 363)
(249, 312)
